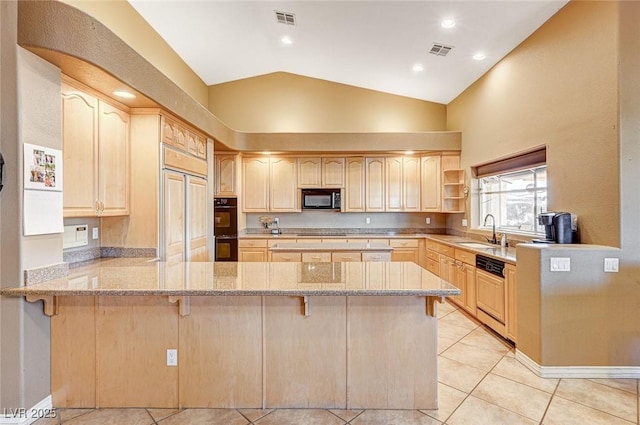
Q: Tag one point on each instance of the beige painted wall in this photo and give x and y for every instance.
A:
(557, 88)
(121, 18)
(283, 102)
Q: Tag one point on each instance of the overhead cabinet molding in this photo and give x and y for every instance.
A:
(95, 138)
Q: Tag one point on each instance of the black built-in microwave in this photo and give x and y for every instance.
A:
(321, 199)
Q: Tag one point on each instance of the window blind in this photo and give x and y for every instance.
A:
(530, 159)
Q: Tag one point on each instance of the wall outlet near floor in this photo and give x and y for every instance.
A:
(560, 264)
(464, 222)
(427, 220)
(611, 265)
(172, 357)
(94, 233)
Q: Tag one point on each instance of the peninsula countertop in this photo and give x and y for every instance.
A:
(127, 277)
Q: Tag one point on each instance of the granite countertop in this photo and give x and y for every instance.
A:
(387, 235)
(149, 278)
(507, 254)
(331, 246)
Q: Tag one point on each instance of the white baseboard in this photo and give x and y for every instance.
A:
(27, 416)
(591, 372)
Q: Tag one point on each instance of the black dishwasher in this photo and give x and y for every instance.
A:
(490, 265)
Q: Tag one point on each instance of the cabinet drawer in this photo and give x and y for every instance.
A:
(432, 245)
(433, 266)
(252, 243)
(339, 257)
(385, 241)
(432, 255)
(376, 256)
(447, 250)
(274, 242)
(404, 243)
(316, 257)
(466, 256)
(278, 257)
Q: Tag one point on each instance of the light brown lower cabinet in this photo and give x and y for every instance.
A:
(512, 311)
(252, 250)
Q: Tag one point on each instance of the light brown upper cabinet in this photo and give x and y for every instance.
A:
(402, 184)
(430, 184)
(270, 184)
(95, 138)
(354, 193)
(225, 175)
(374, 184)
(179, 136)
(321, 172)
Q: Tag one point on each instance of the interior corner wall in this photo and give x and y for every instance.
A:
(122, 18)
(281, 102)
(558, 88)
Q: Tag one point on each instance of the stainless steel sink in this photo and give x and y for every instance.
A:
(476, 245)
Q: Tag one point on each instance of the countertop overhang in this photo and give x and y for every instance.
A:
(150, 278)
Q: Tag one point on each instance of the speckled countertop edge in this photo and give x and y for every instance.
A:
(330, 247)
(507, 254)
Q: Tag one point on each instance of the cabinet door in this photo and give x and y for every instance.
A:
(255, 184)
(309, 172)
(467, 276)
(252, 255)
(411, 184)
(354, 190)
(512, 315)
(283, 187)
(80, 152)
(174, 219)
(333, 172)
(225, 175)
(197, 223)
(374, 186)
(430, 184)
(393, 184)
(113, 141)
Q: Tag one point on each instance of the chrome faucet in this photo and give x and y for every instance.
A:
(493, 220)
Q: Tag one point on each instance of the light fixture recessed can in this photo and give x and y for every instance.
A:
(124, 94)
(286, 40)
(448, 23)
(479, 56)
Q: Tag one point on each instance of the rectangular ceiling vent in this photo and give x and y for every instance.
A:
(285, 18)
(440, 49)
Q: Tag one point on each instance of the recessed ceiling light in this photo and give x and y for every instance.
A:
(266, 153)
(418, 68)
(124, 94)
(286, 40)
(409, 152)
(479, 56)
(448, 23)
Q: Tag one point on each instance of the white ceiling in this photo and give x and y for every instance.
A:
(369, 44)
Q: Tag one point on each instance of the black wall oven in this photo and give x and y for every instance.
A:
(225, 221)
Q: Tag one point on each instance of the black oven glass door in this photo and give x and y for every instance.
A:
(226, 249)
(225, 219)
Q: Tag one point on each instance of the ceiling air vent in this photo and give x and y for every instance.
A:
(440, 49)
(285, 18)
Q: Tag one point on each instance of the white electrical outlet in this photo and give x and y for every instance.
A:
(427, 220)
(611, 265)
(94, 233)
(560, 264)
(276, 220)
(464, 222)
(367, 220)
(172, 357)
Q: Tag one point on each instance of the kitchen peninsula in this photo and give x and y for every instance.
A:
(246, 335)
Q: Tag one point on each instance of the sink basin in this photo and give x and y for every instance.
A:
(475, 245)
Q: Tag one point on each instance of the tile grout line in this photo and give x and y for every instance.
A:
(550, 401)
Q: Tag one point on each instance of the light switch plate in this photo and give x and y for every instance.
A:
(427, 220)
(464, 222)
(560, 264)
(611, 265)
(94, 231)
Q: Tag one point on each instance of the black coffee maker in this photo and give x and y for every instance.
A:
(558, 227)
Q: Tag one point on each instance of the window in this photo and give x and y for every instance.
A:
(515, 199)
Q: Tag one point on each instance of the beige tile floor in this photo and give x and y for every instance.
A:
(480, 383)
